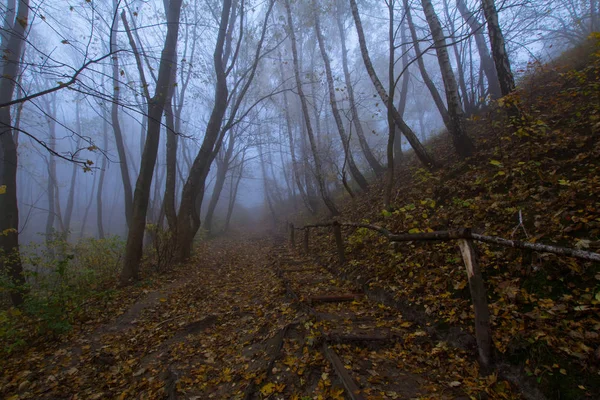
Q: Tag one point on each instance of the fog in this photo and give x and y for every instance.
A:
(83, 113)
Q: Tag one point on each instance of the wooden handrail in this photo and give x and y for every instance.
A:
(465, 238)
(465, 234)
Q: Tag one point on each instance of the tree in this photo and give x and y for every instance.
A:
(311, 137)
(356, 174)
(487, 64)
(364, 145)
(156, 106)
(406, 131)
(114, 115)
(501, 60)
(10, 258)
(463, 145)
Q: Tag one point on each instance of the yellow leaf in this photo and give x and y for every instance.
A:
(563, 371)
(268, 389)
(2, 189)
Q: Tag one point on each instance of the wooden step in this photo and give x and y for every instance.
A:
(334, 298)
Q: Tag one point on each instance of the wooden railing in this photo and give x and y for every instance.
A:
(466, 242)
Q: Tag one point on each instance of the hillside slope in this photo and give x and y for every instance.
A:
(542, 170)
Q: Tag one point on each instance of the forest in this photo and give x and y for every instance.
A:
(300, 199)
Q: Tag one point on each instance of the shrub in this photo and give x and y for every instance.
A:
(60, 276)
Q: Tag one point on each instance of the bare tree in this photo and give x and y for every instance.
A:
(10, 258)
(156, 106)
(462, 143)
(505, 75)
(311, 137)
(487, 64)
(364, 145)
(114, 115)
(406, 131)
(356, 174)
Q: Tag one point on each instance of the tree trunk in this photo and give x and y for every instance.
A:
(295, 166)
(462, 143)
(188, 220)
(484, 55)
(467, 106)
(10, 259)
(87, 208)
(222, 168)
(403, 93)
(435, 94)
(364, 145)
(356, 174)
(71, 196)
(501, 60)
(233, 193)
(156, 106)
(318, 167)
(266, 186)
(392, 128)
(99, 219)
(406, 131)
(116, 125)
(171, 179)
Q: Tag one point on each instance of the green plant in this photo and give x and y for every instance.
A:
(59, 277)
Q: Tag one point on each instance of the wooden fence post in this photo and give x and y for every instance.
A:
(305, 242)
(483, 331)
(339, 241)
(292, 236)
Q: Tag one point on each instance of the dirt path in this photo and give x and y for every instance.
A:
(246, 320)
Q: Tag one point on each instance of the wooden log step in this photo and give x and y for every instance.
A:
(291, 262)
(359, 337)
(301, 269)
(351, 387)
(335, 298)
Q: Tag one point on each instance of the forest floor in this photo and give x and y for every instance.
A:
(246, 320)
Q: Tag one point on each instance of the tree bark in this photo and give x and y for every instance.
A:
(290, 131)
(71, 196)
(403, 93)
(318, 167)
(116, 125)
(222, 168)
(10, 257)
(356, 174)
(364, 145)
(171, 178)
(392, 128)
(462, 143)
(487, 64)
(467, 105)
(99, 218)
(87, 208)
(233, 192)
(501, 60)
(435, 94)
(188, 221)
(156, 106)
(406, 131)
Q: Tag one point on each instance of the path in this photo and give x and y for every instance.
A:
(249, 320)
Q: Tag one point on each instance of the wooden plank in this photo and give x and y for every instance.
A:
(301, 269)
(339, 242)
(359, 337)
(335, 298)
(352, 389)
(305, 242)
(483, 331)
